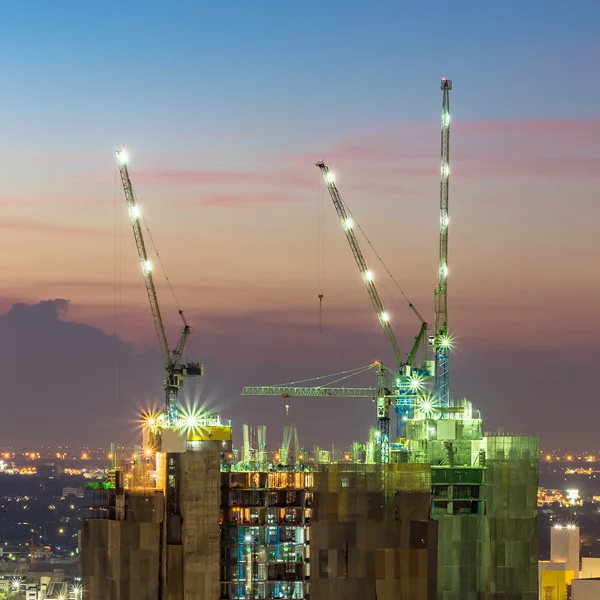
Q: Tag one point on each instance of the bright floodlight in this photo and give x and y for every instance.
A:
(415, 382)
(15, 584)
(135, 212)
(444, 271)
(385, 317)
(446, 342)
(330, 177)
(348, 223)
(369, 276)
(248, 539)
(147, 267)
(122, 156)
(150, 419)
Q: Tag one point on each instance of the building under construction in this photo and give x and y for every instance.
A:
(452, 516)
(442, 512)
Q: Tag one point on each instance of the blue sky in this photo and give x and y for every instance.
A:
(225, 107)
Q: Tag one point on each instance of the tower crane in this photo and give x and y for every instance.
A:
(409, 379)
(174, 368)
(442, 341)
(381, 394)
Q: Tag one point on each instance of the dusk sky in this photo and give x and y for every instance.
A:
(224, 109)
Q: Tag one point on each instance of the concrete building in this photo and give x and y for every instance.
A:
(484, 497)
(585, 589)
(453, 516)
(561, 577)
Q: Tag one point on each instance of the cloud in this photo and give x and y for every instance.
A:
(246, 200)
(576, 129)
(474, 167)
(200, 177)
(480, 149)
(69, 382)
(72, 381)
(46, 310)
(44, 227)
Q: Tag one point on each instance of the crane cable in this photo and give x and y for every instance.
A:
(344, 375)
(410, 304)
(117, 296)
(162, 266)
(320, 203)
(160, 262)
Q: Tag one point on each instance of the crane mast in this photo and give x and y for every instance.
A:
(441, 338)
(172, 360)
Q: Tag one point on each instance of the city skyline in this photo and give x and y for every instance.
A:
(223, 134)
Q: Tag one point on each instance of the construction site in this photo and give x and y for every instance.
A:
(435, 510)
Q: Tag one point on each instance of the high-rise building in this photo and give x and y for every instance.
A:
(452, 516)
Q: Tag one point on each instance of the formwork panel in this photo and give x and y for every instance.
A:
(115, 566)
(363, 514)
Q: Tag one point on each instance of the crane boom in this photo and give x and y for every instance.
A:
(172, 360)
(367, 276)
(442, 339)
(316, 392)
(135, 214)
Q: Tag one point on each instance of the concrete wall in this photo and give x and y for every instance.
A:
(585, 589)
(590, 567)
(120, 560)
(564, 546)
(511, 507)
(371, 537)
(199, 498)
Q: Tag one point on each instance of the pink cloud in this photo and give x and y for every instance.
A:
(188, 177)
(36, 226)
(526, 148)
(580, 129)
(379, 160)
(248, 200)
(503, 166)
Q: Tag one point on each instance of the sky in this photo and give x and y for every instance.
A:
(224, 109)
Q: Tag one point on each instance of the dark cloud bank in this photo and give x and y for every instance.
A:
(58, 380)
